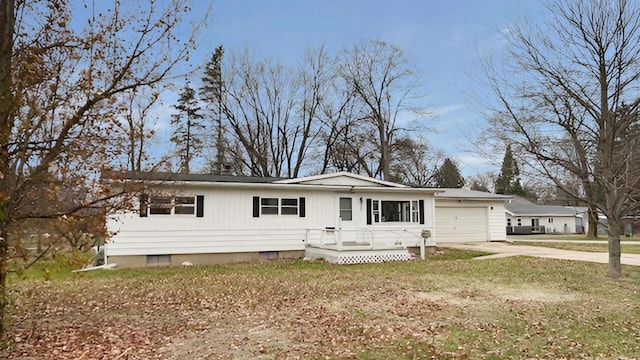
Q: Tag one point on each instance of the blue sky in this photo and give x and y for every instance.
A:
(446, 40)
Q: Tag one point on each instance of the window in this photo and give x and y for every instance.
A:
(376, 211)
(550, 220)
(278, 206)
(184, 205)
(396, 211)
(346, 213)
(269, 206)
(535, 222)
(158, 259)
(519, 222)
(509, 222)
(160, 205)
(289, 207)
(172, 205)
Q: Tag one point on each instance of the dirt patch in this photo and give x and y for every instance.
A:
(533, 294)
(231, 342)
(468, 296)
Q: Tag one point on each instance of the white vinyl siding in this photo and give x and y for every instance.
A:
(228, 225)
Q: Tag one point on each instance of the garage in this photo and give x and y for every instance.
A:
(463, 215)
(461, 224)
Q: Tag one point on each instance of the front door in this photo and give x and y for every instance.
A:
(349, 215)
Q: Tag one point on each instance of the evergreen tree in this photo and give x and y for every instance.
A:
(212, 93)
(508, 181)
(187, 134)
(448, 175)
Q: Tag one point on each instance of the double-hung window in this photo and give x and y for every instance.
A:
(269, 206)
(185, 205)
(278, 206)
(160, 205)
(289, 206)
(171, 205)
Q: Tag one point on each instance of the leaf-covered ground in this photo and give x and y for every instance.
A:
(443, 308)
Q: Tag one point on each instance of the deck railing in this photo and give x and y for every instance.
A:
(361, 239)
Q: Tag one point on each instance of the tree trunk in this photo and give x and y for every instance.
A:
(592, 215)
(615, 267)
(4, 255)
(7, 105)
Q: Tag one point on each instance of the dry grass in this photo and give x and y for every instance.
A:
(577, 246)
(444, 308)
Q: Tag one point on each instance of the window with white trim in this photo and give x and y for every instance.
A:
(279, 206)
(184, 205)
(289, 206)
(415, 211)
(160, 205)
(346, 209)
(396, 211)
(269, 206)
(172, 205)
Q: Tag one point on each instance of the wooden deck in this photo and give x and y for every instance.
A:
(356, 254)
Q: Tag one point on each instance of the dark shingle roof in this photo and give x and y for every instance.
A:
(521, 206)
(167, 176)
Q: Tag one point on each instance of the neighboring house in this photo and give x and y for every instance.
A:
(631, 224)
(202, 219)
(582, 219)
(468, 215)
(526, 217)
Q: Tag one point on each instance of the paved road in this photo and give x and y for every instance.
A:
(503, 249)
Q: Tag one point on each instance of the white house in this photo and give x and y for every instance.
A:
(468, 215)
(341, 217)
(525, 217)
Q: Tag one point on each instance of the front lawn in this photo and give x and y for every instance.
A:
(447, 307)
(602, 247)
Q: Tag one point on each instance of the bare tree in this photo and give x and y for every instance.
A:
(135, 128)
(568, 96)
(415, 162)
(384, 81)
(269, 110)
(482, 181)
(59, 82)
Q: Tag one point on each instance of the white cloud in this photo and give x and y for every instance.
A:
(447, 109)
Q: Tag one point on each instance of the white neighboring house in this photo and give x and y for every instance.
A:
(466, 215)
(202, 219)
(526, 217)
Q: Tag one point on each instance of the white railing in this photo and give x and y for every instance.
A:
(361, 239)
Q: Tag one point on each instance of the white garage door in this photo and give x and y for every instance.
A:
(460, 224)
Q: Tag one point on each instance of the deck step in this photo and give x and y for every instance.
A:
(358, 256)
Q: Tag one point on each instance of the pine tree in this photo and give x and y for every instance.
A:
(508, 181)
(448, 175)
(187, 134)
(211, 92)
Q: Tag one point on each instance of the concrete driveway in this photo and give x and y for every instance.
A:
(504, 249)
